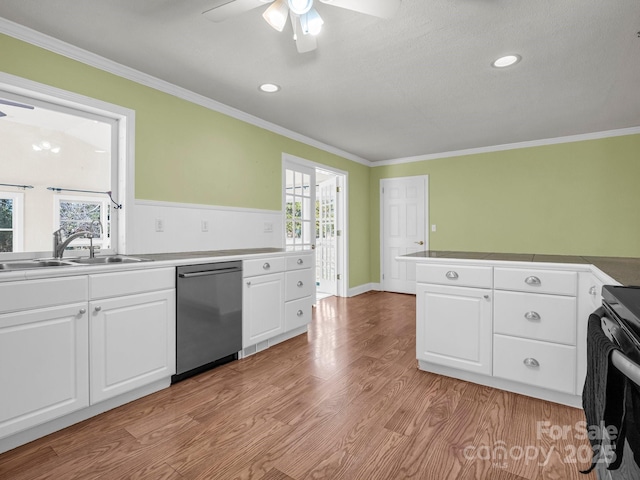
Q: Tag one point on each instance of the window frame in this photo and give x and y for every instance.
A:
(104, 210)
(123, 232)
(17, 216)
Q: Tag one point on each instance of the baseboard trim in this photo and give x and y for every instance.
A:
(364, 288)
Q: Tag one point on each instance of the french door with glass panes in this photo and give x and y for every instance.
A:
(299, 206)
(327, 231)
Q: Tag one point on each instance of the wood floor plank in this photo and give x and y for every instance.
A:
(343, 402)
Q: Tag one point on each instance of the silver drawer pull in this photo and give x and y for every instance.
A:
(300, 313)
(83, 311)
(532, 315)
(452, 275)
(300, 283)
(248, 284)
(300, 261)
(97, 309)
(266, 266)
(532, 281)
(592, 290)
(531, 362)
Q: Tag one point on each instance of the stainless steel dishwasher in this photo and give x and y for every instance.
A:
(208, 316)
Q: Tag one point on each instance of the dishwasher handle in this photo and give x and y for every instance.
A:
(209, 272)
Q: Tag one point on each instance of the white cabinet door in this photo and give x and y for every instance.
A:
(132, 342)
(454, 327)
(262, 308)
(43, 365)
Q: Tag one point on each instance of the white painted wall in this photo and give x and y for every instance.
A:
(229, 228)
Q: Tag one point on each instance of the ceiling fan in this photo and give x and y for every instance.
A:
(305, 19)
(13, 104)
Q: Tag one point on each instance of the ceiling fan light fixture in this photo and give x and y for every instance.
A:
(506, 61)
(300, 7)
(311, 22)
(276, 15)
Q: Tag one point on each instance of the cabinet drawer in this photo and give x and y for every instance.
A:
(460, 275)
(116, 284)
(537, 281)
(33, 294)
(298, 284)
(550, 366)
(262, 266)
(297, 262)
(540, 317)
(297, 313)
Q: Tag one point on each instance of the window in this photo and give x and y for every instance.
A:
(89, 214)
(65, 159)
(11, 224)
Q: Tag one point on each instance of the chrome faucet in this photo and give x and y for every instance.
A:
(59, 245)
(91, 250)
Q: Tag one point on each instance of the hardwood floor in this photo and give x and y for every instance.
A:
(345, 401)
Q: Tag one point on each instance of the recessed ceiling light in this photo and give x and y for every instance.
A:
(506, 61)
(269, 87)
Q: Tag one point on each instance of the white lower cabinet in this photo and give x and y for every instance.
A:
(262, 308)
(44, 371)
(69, 343)
(277, 300)
(454, 327)
(132, 342)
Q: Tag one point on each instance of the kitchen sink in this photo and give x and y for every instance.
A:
(107, 259)
(34, 264)
(70, 262)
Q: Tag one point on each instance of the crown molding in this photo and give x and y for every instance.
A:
(73, 52)
(512, 146)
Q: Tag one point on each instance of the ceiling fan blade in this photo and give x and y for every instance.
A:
(377, 8)
(16, 104)
(232, 8)
(304, 43)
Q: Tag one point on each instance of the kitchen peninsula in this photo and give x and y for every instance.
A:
(517, 322)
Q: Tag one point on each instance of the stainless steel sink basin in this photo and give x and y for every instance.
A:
(108, 259)
(27, 264)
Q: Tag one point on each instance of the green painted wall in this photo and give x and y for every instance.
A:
(555, 199)
(188, 153)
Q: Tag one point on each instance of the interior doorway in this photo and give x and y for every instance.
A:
(315, 206)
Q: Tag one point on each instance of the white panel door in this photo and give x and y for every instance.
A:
(403, 229)
(454, 327)
(132, 342)
(44, 370)
(326, 236)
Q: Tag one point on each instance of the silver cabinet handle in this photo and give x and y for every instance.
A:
(83, 311)
(300, 261)
(592, 290)
(452, 275)
(531, 362)
(248, 284)
(300, 313)
(266, 266)
(300, 283)
(532, 315)
(532, 281)
(486, 297)
(98, 308)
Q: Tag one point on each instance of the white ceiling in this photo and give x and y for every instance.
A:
(420, 83)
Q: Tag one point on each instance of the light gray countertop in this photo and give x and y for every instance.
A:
(624, 270)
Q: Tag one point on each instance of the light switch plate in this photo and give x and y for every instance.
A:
(268, 227)
(159, 225)
(433, 228)
(205, 225)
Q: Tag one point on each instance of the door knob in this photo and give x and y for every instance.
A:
(420, 242)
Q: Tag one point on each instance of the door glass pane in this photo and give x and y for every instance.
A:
(6, 213)
(289, 207)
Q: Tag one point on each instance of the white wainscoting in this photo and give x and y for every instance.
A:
(228, 228)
